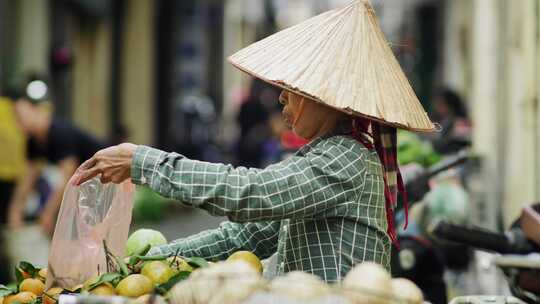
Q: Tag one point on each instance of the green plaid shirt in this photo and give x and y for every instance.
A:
(322, 210)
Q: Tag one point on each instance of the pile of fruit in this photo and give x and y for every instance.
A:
(30, 286)
(180, 280)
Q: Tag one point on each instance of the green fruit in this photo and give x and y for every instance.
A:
(134, 286)
(141, 238)
(157, 271)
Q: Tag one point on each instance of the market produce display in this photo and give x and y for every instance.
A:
(174, 279)
(142, 238)
(412, 149)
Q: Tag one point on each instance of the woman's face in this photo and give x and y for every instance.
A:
(291, 107)
(310, 116)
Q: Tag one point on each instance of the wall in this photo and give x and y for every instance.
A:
(91, 75)
(519, 103)
(456, 55)
(137, 72)
(33, 36)
(492, 56)
(24, 40)
(484, 65)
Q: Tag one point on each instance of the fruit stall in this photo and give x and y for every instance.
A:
(139, 278)
(93, 260)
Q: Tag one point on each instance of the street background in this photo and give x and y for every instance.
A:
(155, 73)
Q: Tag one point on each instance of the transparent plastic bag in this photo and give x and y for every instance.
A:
(93, 215)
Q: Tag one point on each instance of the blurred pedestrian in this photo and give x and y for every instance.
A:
(56, 142)
(451, 113)
(11, 155)
(11, 169)
(255, 128)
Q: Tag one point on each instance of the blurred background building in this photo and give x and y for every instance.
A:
(155, 72)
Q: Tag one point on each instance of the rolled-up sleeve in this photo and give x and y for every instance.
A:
(300, 187)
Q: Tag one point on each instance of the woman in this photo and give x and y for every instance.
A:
(330, 205)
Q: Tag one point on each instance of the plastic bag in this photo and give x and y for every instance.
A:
(93, 215)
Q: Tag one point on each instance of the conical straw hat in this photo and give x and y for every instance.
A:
(340, 58)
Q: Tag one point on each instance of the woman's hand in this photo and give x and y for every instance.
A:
(113, 164)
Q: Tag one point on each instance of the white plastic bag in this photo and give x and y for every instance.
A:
(93, 215)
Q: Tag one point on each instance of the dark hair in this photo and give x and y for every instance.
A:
(12, 93)
(453, 101)
(18, 92)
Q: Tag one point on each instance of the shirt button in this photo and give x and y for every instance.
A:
(143, 180)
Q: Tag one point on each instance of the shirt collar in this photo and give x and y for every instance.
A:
(343, 128)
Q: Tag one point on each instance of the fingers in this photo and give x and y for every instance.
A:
(86, 171)
(113, 164)
(105, 178)
(85, 175)
(88, 164)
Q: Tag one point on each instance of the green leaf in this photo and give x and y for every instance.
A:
(153, 257)
(144, 250)
(7, 290)
(163, 288)
(105, 278)
(38, 300)
(29, 268)
(197, 262)
(133, 260)
(160, 290)
(122, 265)
(19, 275)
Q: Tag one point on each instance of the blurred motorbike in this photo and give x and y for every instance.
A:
(517, 249)
(419, 257)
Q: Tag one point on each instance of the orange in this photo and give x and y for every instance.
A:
(43, 273)
(34, 286)
(90, 281)
(76, 287)
(249, 258)
(23, 297)
(134, 286)
(157, 271)
(51, 296)
(105, 289)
